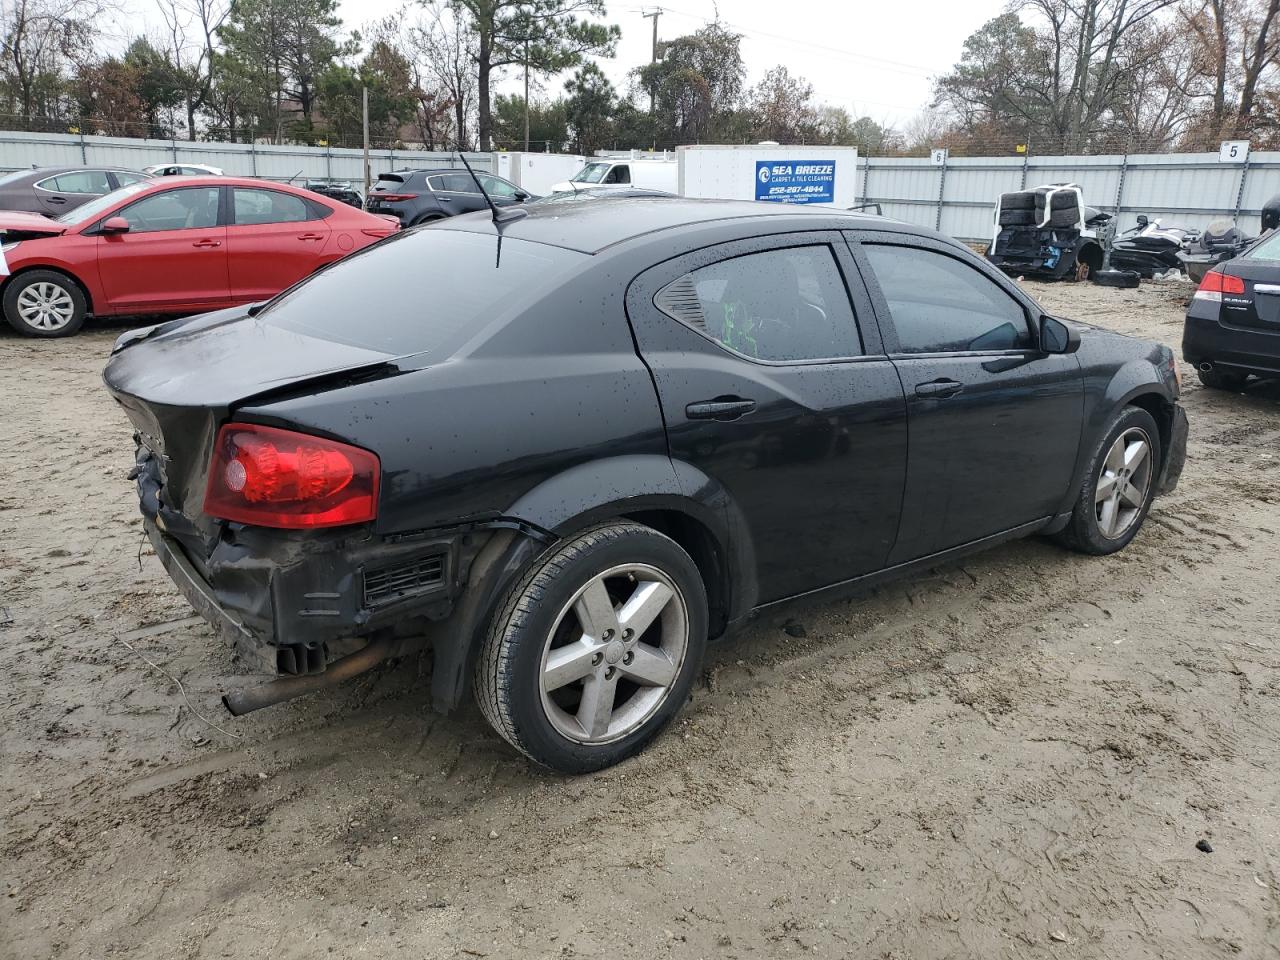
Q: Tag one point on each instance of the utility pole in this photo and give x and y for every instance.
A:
(365, 99)
(653, 15)
(526, 96)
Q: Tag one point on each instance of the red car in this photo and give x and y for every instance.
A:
(171, 246)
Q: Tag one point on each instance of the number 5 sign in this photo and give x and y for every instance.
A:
(1233, 151)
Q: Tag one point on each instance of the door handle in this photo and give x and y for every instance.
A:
(721, 408)
(206, 244)
(310, 236)
(57, 199)
(445, 199)
(939, 389)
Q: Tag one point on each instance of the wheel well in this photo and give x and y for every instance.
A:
(1162, 413)
(88, 299)
(697, 541)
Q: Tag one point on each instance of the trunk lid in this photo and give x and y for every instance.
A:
(179, 381)
(1259, 306)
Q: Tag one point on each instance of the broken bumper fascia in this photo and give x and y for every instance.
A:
(291, 606)
(198, 593)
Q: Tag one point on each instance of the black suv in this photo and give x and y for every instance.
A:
(611, 432)
(420, 196)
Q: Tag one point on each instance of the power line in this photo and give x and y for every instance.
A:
(898, 65)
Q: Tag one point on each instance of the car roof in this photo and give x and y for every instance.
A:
(54, 171)
(591, 227)
(211, 180)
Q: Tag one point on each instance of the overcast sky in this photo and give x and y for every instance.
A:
(873, 58)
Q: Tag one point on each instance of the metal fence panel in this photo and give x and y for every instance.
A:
(1188, 189)
(22, 150)
(958, 197)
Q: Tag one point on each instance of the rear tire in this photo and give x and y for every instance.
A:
(1216, 379)
(564, 678)
(1118, 487)
(44, 303)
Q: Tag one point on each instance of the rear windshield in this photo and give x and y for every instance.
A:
(1268, 249)
(389, 181)
(420, 290)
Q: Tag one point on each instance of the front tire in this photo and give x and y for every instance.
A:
(1118, 487)
(595, 649)
(45, 303)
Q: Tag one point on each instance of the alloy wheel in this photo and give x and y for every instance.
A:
(614, 654)
(46, 306)
(1123, 483)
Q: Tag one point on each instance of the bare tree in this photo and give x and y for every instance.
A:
(192, 29)
(1235, 44)
(445, 47)
(1261, 46)
(1086, 42)
(40, 41)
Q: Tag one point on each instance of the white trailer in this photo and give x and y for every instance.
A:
(778, 173)
(538, 173)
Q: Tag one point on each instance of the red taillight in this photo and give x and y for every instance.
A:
(1217, 282)
(395, 197)
(278, 478)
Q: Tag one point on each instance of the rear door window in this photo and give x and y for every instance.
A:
(93, 182)
(939, 304)
(251, 207)
(454, 183)
(780, 305)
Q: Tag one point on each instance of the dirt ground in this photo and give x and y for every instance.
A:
(1013, 757)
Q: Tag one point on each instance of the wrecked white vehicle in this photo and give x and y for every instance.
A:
(1047, 232)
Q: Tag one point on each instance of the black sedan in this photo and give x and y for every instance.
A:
(1232, 329)
(614, 431)
(420, 196)
(55, 190)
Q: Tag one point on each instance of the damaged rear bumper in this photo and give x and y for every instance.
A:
(292, 605)
(198, 593)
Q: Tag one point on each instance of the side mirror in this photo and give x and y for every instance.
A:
(1142, 220)
(114, 225)
(521, 196)
(1057, 337)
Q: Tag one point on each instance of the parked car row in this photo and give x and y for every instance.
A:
(184, 238)
(171, 246)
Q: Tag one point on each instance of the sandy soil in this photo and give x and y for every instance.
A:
(1013, 757)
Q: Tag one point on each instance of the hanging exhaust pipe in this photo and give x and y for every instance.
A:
(248, 699)
(1206, 366)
